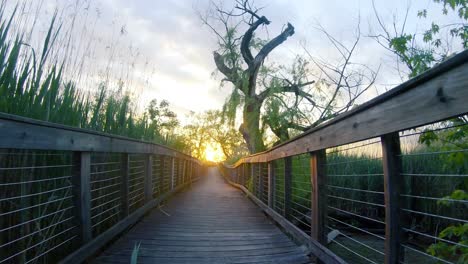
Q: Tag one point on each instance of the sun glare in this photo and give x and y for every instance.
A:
(214, 153)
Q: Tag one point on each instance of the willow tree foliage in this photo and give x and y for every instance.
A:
(210, 129)
(284, 99)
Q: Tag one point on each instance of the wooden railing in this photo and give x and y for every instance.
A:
(67, 192)
(387, 209)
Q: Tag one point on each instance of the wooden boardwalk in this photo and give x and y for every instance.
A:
(211, 222)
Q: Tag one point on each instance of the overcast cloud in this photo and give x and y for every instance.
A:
(174, 50)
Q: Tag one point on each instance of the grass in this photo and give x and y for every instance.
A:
(359, 167)
(33, 84)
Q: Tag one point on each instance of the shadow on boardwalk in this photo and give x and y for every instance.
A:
(211, 222)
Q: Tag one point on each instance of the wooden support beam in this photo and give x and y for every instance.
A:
(393, 182)
(260, 181)
(172, 173)
(148, 177)
(125, 170)
(252, 179)
(190, 170)
(82, 193)
(287, 186)
(318, 180)
(271, 185)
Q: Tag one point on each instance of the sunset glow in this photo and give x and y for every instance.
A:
(214, 153)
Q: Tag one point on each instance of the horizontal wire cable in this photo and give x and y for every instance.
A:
(36, 167)
(104, 196)
(37, 244)
(37, 205)
(104, 172)
(35, 181)
(434, 215)
(50, 249)
(352, 189)
(355, 201)
(37, 231)
(356, 228)
(35, 194)
(35, 219)
(434, 237)
(355, 253)
(427, 255)
(353, 214)
(359, 242)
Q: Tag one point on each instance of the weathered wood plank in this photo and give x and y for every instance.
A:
(212, 222)
(172, 173)
(287, 186)
(290, 258)
(148, 185)
(393, 182)
(97, 243)
(318, 196)
(271, 185)
(26, 133)
(124, 174)
(317, 249)
(82, 193)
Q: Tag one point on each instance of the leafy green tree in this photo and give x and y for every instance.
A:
(161, 119)
(284, 99)
(210, 128)
(419, 52)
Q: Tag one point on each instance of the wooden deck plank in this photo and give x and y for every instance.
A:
(211, 222)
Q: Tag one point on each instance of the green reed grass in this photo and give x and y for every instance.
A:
(33, 85)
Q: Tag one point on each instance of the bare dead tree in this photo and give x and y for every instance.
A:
(290, 98)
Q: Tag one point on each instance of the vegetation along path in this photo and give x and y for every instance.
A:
(211, 222)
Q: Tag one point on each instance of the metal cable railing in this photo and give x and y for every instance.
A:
(36, 205)
(63, 195)
(383, 183)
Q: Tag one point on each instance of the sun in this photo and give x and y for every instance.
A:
(214, 153)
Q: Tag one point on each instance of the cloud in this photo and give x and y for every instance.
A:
(167, 52)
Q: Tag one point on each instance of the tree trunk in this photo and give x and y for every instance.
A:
(250, 128)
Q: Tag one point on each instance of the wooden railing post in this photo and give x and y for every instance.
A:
(184, 171)
(125, 169)
(393, 182)
(82, 193)
(172, 173)
(271, 185)
(287, 186)
(252, 165)
(190, 171)
(260, 181)
(318, 179)
(148, 177)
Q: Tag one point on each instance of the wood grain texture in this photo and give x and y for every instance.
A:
(26, 133)
(124, 174)
(89, 249)
(318, 196)
(212, 222)
(82, 193)
(317, 250)
(271, 185)
(287, 186)
(148, 177)
(393, 182)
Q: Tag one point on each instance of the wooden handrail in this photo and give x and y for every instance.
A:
(437, 94)
(20, 133)
(27, 133)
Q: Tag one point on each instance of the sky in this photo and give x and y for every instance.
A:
(164, 51)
